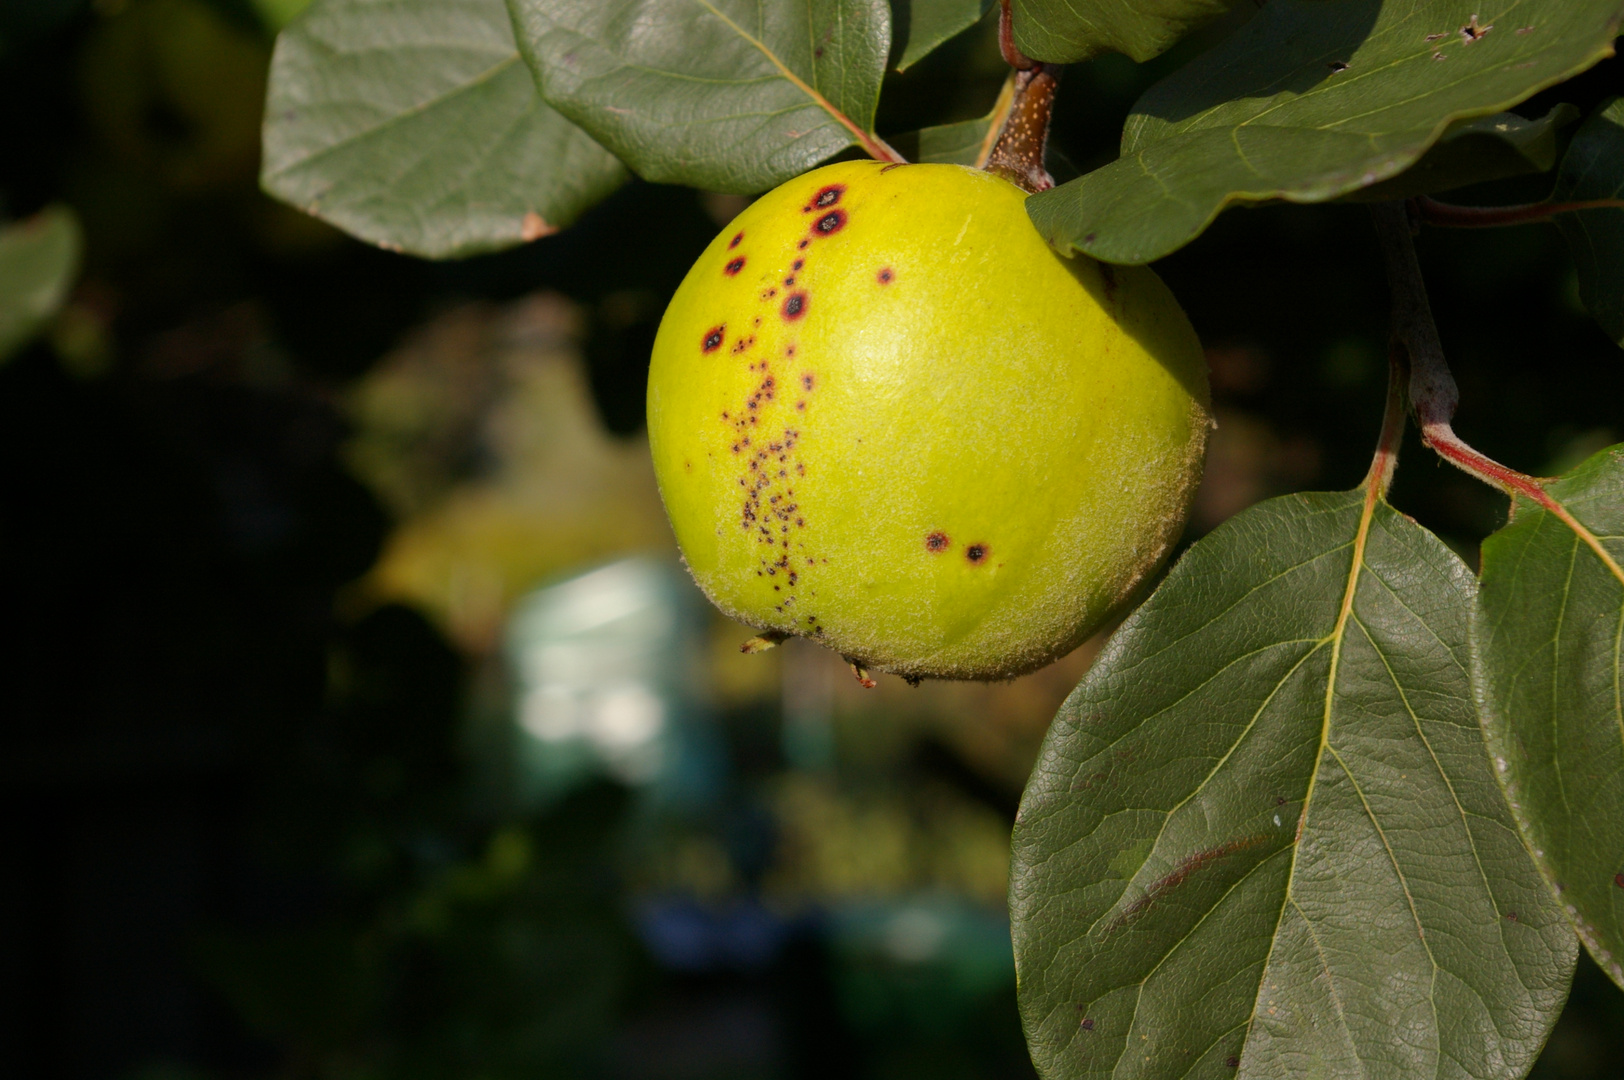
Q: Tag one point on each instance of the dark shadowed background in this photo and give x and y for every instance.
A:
(358, 720)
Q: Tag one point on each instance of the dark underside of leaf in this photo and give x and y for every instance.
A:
(1476, 151)
(922, 25)
(414, 125)
(1262, 833)
(1593, 168)
(728, 95)
(1312, 100)
(1550, 677)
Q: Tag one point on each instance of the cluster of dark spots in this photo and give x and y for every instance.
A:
(713, 339)
(976, 553)
(936, 541)
(770, 293)
(734, 267)
(742, 344)
(806, 380)
(830, 223)
(884, 276)
(794, 305)
(733, 243)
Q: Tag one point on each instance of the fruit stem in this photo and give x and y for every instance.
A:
(1024, 138)
(1432, 390)
(1433, 212)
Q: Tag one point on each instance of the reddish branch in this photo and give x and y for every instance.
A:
(1433, 212)
(1432, 387)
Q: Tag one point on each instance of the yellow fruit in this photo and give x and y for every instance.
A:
(886, 416)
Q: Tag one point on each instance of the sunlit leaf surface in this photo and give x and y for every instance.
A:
(1549, 639)
(1311, 100)
(729, 95)
(1264, 839)
(413, 124)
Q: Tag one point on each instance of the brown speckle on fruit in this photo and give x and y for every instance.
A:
(806, 380)
(713, 339)
(797, 264)
(936, 541)
(830, 223)
(795, 306)
(802, 245)
(733, 243)
(976, 553)
(884, 276)
(734, 267)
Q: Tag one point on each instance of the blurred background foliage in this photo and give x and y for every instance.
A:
(360, 721)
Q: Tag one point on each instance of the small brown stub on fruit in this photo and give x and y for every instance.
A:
(733, 243)
(976, 553)
(936, 541)
(713, 339)
(884, 276)
(794, 306)
(859, 671)
(830, 223)
(734, 267)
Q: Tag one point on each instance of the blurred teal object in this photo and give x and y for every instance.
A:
(608, 678)
(926, 963)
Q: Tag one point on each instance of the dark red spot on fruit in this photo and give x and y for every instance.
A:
(734, 267)
(829, 196)
(803, 244)
(733, 243)
(789, 350)
(806, 381)
(976, 553)
(795, 305)
(884, 276)
(713, 339)
(797, 264)
(830, 223)
(789, 280)
(936, 541)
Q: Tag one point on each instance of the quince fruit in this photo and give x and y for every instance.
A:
(886, 416)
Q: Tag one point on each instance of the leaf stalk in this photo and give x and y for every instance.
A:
(1449, 216)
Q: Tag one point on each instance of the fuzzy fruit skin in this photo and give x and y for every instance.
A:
(887, 416)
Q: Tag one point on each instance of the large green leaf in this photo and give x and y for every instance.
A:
(414, 124)
(922, 25)
(1065, 31)
(1263, 830)
(1550, 681)
(1593, 168)
(39, 258)
(1311, 100)
(730, 95)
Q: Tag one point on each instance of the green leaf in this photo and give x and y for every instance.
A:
(1309, 101)
(413, 124)
(1548, 674)
(1264, 827)
(1065, 31)
(1593, 168)
(965, 143)
(39, 258)
(922, 25)
(730, 95)
(1476, 151)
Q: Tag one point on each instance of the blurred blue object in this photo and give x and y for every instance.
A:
(685, 934)
(608, 678)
